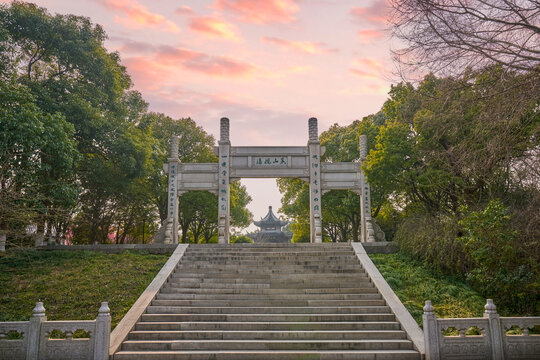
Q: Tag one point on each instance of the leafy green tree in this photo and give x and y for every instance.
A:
(37, 158)
(63, 61)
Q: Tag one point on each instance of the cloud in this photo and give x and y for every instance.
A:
(367, 89)
(215, 27)
(146, 73)
(207, 109)
(184, 10)
(128, 46)
(369, 35)
(138, 16)
(376, 13)
(368, 68)
(301, 46)
(261, 11)
(203, 63)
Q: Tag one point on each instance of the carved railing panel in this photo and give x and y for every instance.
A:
(492, 343)
(525, 346)
(13, 348)
(55, 340)
(68, 348)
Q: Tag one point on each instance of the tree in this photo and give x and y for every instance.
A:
(37, 159)
(448, 36)
(62, 60)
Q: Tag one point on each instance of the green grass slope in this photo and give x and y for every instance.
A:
(71, 284)
(414, 283)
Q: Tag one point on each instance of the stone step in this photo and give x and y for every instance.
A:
(330, 257)
(269, 274)
(304, 255)
(368, 290)
(266, 303)
(276, 326)
(171, 286)
(273, 279)
(269, 317)
(263, 297)
(215, 309)
(269, 247)
(291, 281)
(198, 345)
(270, 355)
(272, 269)
(268, 335)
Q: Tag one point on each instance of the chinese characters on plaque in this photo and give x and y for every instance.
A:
(270, 161)
(172, 188)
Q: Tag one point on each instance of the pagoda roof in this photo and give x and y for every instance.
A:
(270, 220)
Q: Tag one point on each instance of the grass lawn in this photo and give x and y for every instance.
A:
(71, 284)
(414, 283)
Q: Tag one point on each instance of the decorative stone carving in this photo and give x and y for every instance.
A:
(224, 129)
(159, 236)
(174, 147)
(313, 131)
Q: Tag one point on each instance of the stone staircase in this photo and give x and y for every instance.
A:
(268, 301)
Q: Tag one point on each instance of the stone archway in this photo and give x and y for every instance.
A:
(236, 162)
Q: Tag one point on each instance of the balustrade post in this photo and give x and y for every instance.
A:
(34, 331)
(495, 331)
(102, 333)
(431, 332)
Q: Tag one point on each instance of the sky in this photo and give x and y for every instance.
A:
(267, 65)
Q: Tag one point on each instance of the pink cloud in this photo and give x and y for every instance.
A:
(204, 63)
(146, 73)
(368, 35)
(301, 46)
(184, 10)
(137, 15)
(367, 68)
(215, 27)
(261, 11)
(376, 13)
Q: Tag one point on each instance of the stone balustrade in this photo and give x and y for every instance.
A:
(490, 337)
(35, 339)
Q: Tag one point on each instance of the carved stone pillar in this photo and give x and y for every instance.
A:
(431, 332)
(34, 331)
(490, 312)
(171, 232)
(102, 333)
(315, 193)
(367, 223)
(224, 206)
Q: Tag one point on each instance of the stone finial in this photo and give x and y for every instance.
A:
(104, 309)
(428, 308)
(174, 147)
(39, 310)
(362, 143)
(490, 307)
(224, 134)
(313, 131)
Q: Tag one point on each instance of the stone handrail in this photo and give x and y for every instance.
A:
(492, 343)
(36, 342)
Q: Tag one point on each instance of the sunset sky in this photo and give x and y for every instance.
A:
(267, 65)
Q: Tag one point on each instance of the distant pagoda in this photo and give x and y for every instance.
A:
(270, 230)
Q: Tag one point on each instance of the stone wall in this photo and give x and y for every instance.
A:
(115, 248)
